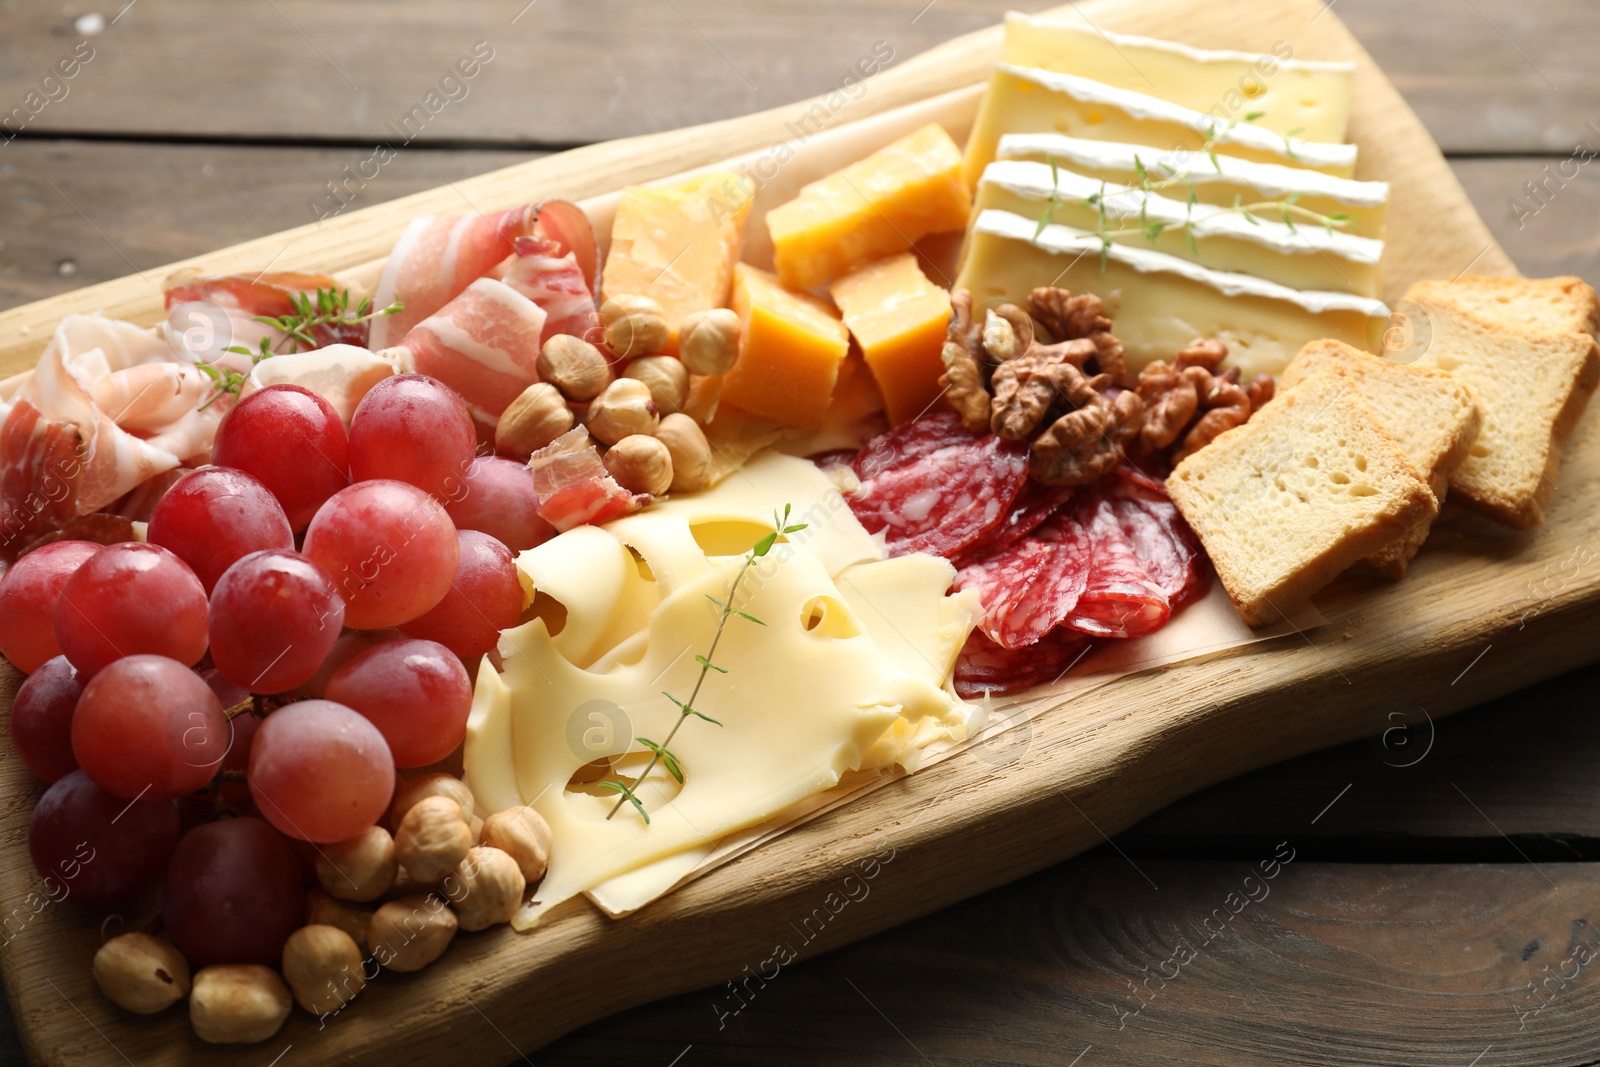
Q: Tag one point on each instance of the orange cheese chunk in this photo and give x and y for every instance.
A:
(677, 244)
(899, 319)
(790, 349)
(870, 209)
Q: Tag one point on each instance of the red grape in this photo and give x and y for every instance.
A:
(243, 729)
(41, 719)
(147, 724)
(128, 599)
(484, 598)
(232, 894)
(415, 692)
(228, 694)
(274, 619)
(349, 646)
(389, 547)
(499, 499)
(320, 771)
(97, 848)
(214, 516)
(28, 595)
(292, 441)
(414, 429)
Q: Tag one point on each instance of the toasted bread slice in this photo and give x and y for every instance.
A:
(1432, 417)
(1307, 487)
(1535, 305)
(1531, 387)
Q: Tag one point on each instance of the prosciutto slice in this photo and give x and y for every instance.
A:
(484, 344)
(207, 314)
(574, 487)
(554, 280)
(439, 256)
(109, 407)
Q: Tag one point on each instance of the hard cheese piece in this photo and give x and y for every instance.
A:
(1303, 98)
(1159, 302)
(677, 243)
(1221, 181)
(1029, 100)
(899, 319)
(790, 349)
(875, 207)
(805, 697)
(1304, 256)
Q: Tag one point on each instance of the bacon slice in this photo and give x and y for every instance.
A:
(438, 256)
(574, 486)
(484, 344)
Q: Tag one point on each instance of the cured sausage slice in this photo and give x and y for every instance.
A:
(946, 498)
(1121, 600)
(1030, 588)
(985, 667)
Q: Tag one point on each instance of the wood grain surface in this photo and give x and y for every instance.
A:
(989, 980)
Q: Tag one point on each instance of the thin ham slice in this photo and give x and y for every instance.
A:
(553, 279)
(207, 314)
(484, 344)
(439, 256)
(574, 486)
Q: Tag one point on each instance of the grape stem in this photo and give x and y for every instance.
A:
(243, 707)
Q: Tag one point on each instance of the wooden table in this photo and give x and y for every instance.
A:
(1435, 890)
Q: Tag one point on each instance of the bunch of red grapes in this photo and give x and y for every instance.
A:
(351, 577)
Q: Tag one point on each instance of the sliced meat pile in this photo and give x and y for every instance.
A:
(1052, 567)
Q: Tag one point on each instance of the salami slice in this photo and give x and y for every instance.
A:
(985, 667)
(1121, 600)
(1165, 546)
(1033, 506)
(946, 499)
(1129, 480)
(910, 441)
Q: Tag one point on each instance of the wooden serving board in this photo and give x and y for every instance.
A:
(1485, 611)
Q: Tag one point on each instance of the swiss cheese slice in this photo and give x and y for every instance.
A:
(1161, 303)
(1221, 181)
(1295, 97)
(849, 668)
(1030, 100)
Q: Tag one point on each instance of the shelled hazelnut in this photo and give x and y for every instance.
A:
(436, 784)
(522, 834)
(666, 379)
(708, 341)
(634, 325)
(359, 869)
(141, 973)
(324, 910)
(690, 451)
(238, 1003)
(408, 934)
(574, 366)
(433, 837)
(485, 888)
(322, 965)
(532, 420)
(640, 464)
(625, 407)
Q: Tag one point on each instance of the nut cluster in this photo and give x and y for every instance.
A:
(636, 415)
(1072, 399)
(383, 902)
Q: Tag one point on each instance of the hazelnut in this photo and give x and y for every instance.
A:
(141, 973)
(634, 325)
(433, 837)
(625, 407)
(523, 835)
(359, 869)
(486, 888)
(323, 966)
(690, 451)
(531, 421)
(666, 378)
(574, 366)
(429, 785)
(708, 341)
(236, 1003)
(324, 910)
(408, 934)
(476, 825)
(640, 464)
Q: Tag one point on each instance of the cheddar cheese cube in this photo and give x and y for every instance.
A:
(677, 244)
(790, 348)
(899, 318)
(873, 208)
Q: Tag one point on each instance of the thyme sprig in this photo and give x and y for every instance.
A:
(660, 753)
(1286, 209)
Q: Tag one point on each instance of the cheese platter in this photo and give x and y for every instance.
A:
(941, 740)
